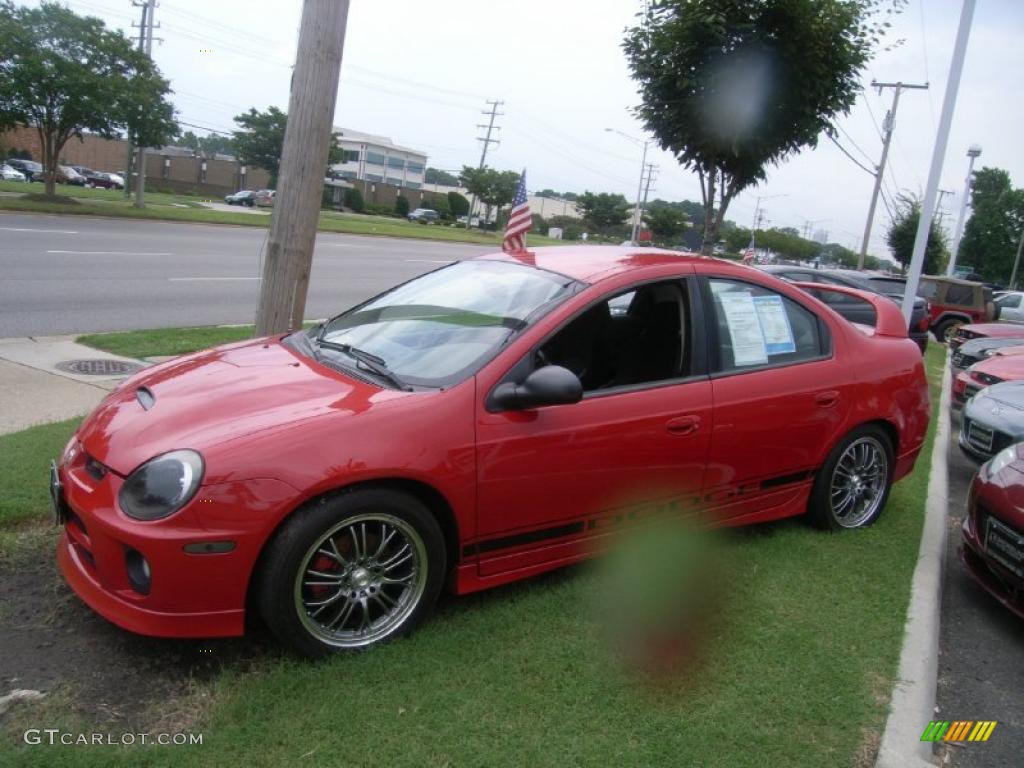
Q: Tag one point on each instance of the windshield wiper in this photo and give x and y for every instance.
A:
(369, 361)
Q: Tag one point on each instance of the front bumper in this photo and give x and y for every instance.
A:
(993, 577)
(188, 594)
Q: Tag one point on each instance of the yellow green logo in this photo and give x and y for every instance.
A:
(958, 730)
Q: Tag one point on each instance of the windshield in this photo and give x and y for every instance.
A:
(436, 329)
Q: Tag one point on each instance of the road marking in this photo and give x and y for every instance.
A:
(431, 261)
(47, 231)
(114, 253)
(200, 279)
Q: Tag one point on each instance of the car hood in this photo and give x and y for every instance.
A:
(995, 330)
(1009, 368)
(978, 347)
(219, 395)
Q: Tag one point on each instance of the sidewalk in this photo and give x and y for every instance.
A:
(36, 391)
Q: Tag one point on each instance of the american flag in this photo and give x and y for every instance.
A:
(519, 220)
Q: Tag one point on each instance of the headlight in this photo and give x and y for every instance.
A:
(162, 485)
(1002, 460)
(990, 352)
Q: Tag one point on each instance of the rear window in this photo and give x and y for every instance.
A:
(927, 289)
(960, 295)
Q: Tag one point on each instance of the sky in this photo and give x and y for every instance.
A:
(421, 73)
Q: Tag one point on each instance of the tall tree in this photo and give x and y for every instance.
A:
(66, 74)
(903, 231)
(213, 144)
(493, 188)
(732, 86)
(603, 211)
(261, 140)
(992, 233)
(437, 176)
(666, 223)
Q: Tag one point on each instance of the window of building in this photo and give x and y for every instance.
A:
(350, 155)
(635, 337)
(396, 182)
(375, 158)
(414, 167)
(373, 177)
(347, 175)
(396, 162)
(413, 184)
(758, 327)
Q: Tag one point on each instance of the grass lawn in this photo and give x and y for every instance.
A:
(166, 341)
(165, 207)
(798, 673)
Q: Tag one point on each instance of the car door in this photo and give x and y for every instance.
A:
(635, 445)
(1010, 308)
(780, 396)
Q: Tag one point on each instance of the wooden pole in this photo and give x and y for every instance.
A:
(300, 181)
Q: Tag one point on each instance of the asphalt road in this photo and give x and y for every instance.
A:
(981, 647)
(72, 274)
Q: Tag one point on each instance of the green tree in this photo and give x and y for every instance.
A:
(903, 231)
(603, 212)
(402, 205)
(437, 202)
(354, 200)
(66, 74)
(457, 204)
(992, 233)
(213, 144)
(732, 86)
(437, 176)
(493, 188)
(571, 227)
(666, 223)
(261, 140)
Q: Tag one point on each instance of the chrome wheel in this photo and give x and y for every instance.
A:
(950, 332)
(859, 482)
(360, 581)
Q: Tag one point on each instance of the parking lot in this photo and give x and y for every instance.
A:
(981, 646)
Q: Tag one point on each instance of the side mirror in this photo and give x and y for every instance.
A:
(550, 385)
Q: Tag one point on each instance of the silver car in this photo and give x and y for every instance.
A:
(992, 420)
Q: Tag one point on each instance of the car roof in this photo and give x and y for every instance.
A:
(592, 263)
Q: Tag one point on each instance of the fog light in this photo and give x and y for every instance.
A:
(139, 573)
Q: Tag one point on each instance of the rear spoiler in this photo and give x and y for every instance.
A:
(888, 317)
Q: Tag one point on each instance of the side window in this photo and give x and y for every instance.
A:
(638, 336)
(960, 295)
(1010, 301)
(927, 289)
(757, 326)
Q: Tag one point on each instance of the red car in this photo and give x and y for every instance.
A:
(1008, 366)
(480, 424)
(985, 330)
(993, 530)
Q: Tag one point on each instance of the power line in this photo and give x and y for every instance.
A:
(854, 143)
(842, 149)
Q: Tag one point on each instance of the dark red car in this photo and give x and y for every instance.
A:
(993, 530)
(477, 425)
(973, 331)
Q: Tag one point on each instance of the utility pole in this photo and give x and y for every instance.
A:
(887, 126)
(144, 5)
(651, 169)
(956, 69)
(307, 138)
(487, 141)
(939, 211)
(973, 152)
(1016, 262)
(140, 158)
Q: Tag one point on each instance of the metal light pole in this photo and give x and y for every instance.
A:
(637, 209)
(956, 69)
(974, 151)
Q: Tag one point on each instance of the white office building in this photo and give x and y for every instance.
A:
(366, 157)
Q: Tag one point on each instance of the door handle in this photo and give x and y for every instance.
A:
(683, 425)
(827, 399)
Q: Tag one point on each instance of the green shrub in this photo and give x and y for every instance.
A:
(354, 200)
(402, 205)
(457, 204)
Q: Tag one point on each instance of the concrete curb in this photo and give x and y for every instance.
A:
(913, 699)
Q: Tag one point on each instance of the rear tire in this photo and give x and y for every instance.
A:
(351, 571)
(945, 330)
(853, 485)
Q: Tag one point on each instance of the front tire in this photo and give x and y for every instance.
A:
(945, 330)
(853, 485)
(352, 570)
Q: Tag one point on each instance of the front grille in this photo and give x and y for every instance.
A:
(971, 390)
(979, 437)
(1003, 543)
(960, 360)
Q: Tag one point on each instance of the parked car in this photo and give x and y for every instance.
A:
(476, 425)
(993, 419)
(852, 308)
(98, 178)
(970, 352)
(9, 173)
(31, 170)
(243, 197)
(1010, 308)
(424, 216)
(953, 303)
(264, 198)
(989, 331)
(993, 529)
(116, 179)
(68, 175)
(992, 370)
